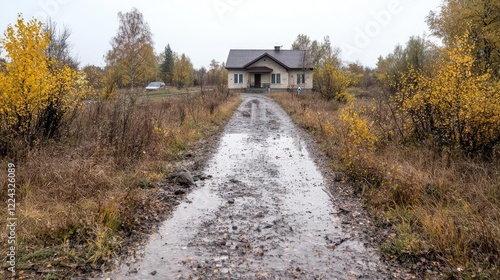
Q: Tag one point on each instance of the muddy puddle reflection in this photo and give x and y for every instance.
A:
(264, 214)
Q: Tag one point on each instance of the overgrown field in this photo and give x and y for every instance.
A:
(443, 207)
(78, 197)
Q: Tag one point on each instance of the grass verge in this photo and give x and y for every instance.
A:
(443, 209)
(79, 199)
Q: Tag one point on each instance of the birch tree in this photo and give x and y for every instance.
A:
(132, 52)
(183, 71)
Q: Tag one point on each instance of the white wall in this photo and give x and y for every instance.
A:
(287, 78)
(230, 79)
(308, 82)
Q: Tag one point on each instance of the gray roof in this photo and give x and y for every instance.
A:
(290, 59)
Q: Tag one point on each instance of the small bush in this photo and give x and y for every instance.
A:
(332, 82)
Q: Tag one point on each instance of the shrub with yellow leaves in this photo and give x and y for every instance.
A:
(356, 140)
(36, 92)
(332, 82)
(457, 108)
(358, 153)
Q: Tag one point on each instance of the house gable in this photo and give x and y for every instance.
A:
(263, 57)
(266, 63)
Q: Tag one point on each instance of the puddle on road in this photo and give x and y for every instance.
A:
(165, 249)
(263, 215)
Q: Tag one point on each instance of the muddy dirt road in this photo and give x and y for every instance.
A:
(264, 213)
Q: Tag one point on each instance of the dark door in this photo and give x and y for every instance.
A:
(257, 80)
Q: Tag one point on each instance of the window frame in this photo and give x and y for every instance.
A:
(276, 78)
(301, 79)
(238, 78)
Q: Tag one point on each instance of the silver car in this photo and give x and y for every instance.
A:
(155, 86)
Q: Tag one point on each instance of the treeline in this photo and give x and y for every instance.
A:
(332, 76)
(132, 61)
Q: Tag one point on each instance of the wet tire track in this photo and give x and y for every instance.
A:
(264, 213)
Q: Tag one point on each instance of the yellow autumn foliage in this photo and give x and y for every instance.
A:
(332, 82)
(35, 91)
(456, 107)
(357, 141)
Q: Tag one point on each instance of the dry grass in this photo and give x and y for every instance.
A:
(442, 207)
(78, 197)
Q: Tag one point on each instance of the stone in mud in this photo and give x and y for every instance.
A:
(246, 114)
(179, 192)
(183, 178)
(133, 271)
(203, 177)
(343, 211)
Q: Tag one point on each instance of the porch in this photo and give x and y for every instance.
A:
(260, 78)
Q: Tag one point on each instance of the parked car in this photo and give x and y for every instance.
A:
(155, 86)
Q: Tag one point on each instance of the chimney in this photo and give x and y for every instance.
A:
(277, 48)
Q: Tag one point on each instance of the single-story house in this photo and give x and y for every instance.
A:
(273, 69)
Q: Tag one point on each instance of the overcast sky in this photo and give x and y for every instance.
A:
(208, 29)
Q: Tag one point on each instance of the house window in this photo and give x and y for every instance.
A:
(238, 78)
(275, 78)
(301, 79)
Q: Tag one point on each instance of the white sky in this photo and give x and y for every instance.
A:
(207, 29)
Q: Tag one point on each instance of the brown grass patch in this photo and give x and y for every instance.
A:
(443, 207)
(78, 198)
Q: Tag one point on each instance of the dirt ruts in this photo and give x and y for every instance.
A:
(264, 213)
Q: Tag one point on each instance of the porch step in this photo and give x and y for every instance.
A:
(256, 90)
